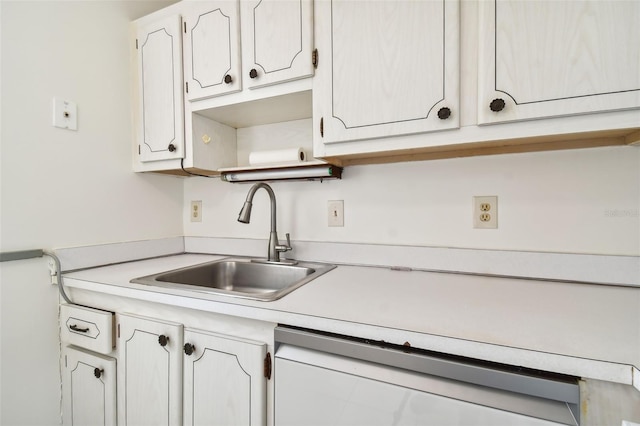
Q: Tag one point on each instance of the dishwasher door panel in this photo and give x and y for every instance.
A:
(314, 388)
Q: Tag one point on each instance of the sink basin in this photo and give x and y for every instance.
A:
(239, 277)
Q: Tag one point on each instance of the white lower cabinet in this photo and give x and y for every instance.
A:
(149, 372)
(222, 382)
(89, 388)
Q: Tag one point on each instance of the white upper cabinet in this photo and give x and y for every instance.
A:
(386, 68)
(277, 44)
(196, 62)
(277, 40)
(392, 80)
(552, 58)
(211, 48)
(160, 122)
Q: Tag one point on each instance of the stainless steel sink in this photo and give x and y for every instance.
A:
(239, 277)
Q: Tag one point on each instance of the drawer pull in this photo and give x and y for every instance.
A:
(98, 372)
(78, 329)
(163, 340)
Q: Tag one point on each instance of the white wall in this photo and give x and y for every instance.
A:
(61, 188)
(577, 201)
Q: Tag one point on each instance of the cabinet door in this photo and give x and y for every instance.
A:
(224, 381)
(553, 58)
(386, 68)
(150, 371)
(161, 120)
(88, 388)
(211, 48)
(277, 41)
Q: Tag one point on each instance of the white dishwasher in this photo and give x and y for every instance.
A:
(324, 379)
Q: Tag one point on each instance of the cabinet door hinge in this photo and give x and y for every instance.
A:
(314, 58)
(186, 86)
(119, 324)
(138, 154)
(321, 126)
(267, 366)
(185, 26)
(136, 44)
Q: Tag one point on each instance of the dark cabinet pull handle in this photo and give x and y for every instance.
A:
(189, 348)
(163, 340)
(497, 105)
(444, 113)
(253, 73)
(78, 329)
(98, 372)
(228, 79)
(171, 147)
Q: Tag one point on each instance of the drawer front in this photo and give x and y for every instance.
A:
(88, 328)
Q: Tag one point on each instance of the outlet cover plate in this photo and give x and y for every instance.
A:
(485, 212)
(196, 211)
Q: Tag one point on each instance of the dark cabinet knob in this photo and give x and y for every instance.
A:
(163, 340)
(98, 372)
(189, 348)
(444, 113)
(253, 73)
(228, 79)
(171, 147)
(497, 105)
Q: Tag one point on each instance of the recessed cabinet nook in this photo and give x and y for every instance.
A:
(356, 82)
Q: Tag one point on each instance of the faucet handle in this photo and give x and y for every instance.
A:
(287, 247)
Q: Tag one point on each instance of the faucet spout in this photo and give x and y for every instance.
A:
(245, 213)
(245, 216)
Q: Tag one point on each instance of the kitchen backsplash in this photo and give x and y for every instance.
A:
(579, 201)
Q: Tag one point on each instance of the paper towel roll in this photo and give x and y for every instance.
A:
(289, 155)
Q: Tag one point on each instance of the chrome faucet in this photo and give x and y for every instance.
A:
(245, 216)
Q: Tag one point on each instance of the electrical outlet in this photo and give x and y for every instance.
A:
(335, 213)
(196, 211)
(485, 212)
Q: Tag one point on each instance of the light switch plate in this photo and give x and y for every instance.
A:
(335, 214)
(65, 114)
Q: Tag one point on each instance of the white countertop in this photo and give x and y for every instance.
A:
(586, 330)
